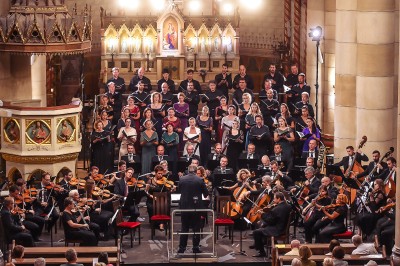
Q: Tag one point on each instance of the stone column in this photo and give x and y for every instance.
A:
(345, 76)
(328, 80)
(375, 73)
(38, 77)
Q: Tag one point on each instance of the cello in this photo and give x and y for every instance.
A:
(261, 202)
(351, 173)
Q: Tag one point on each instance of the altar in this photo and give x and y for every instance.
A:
(172, 40)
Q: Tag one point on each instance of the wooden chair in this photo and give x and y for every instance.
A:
(68, 241)
(120, 225)
(222, 216)
(161, 212)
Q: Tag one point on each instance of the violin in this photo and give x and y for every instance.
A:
(269, 207)
(54, 187)
(99, 178)
(137, 183)
(164, 182)
(386, 208)
(24, 198)
(31, 191)
(331, 206)
(18, 210)
(80, 183)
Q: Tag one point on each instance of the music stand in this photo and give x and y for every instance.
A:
(212, 164)
(221, 180)
(137, 166)
(262, 172)
(297, 174)
(251, 164)
(154, 163)
(183, 163)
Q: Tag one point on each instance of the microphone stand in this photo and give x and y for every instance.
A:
(242, 218)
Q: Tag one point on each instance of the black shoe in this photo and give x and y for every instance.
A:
(38, 240)
(196, 250)
(252, 247)
(260, 255)
(181, 250)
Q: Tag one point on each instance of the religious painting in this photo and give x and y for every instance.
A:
(170, 31)
(66, 130)
(38, 132)
(11, 131)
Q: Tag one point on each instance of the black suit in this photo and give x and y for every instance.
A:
(345, 160)
(192, 188)
(221, 84)
(184, 84)
(13, 230)
(378, 174)
(120, 188)
(43, 211)
(275, 222)
(285, 159)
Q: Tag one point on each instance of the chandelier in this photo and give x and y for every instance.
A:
(45, 27)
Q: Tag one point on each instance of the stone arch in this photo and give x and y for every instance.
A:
(13, 175)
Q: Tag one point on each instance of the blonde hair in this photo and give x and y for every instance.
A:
(240, 172)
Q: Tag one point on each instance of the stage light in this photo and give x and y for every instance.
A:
(195, 5)
(158, 4)
(315, 33)
(228, 8)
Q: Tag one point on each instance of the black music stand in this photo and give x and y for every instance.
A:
(244, 220)
(221, 180)
(183, 163)
(212, 164)
(137, 166)
(251, 164)
(261, 172)
(297, 174)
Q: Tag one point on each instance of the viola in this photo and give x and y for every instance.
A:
(53, 187)
(386, 208)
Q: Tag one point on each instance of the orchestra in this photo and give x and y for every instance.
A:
(266, 160)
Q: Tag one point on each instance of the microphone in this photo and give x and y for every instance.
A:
(195, 199)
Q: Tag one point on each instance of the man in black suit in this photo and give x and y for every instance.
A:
(276, 78)
(213, 158)
(304, 102)
(281, 157)
(277, 174)
(274, 221)
(250, 153)
(312, 182)
(375, 169)
(347, 161)
(192, 98)
(242, 75)
(184, 83)
(312, 150)
(192, 188)
(165, 79)
(43, 206)
(140, 77)
(224, 81)
(160, 156)
(117, 80)
(121, 188)
(12, 229)
(130, 158)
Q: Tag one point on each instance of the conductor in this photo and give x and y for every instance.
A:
(192, 188)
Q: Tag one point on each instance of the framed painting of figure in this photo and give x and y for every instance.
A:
(66, 130)
(12, 131)
(38, 132)
(170, 34)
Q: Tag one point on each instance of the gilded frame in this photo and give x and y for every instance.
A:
(71, 125)
(6, 130)
(30, 124)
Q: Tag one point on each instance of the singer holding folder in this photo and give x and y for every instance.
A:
(192, 188)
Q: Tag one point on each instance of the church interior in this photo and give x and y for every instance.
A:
(333, 65)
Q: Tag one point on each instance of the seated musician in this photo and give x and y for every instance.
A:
(65, 184)
(189, 154)
(74, 230)
(222, 168)
(311, 184)
(281, 157)
(332, 190)
(312, 150)
(195, 162)
(265, 163)
(347, 161)
(250, 153)
(385, 227)
(312, 213)
(160, 155)
(13, 229)
(333, 221)
(158, 183)
(215, 156)
(44, 205)
(274, 223)
(266, 188)
(81, 213)
(375, 169)
(123, 189)
(30, 219)
(278, 175)
(130, 157)
(366, 220)
(101, 210)
(243, 181)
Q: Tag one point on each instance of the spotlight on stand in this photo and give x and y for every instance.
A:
(316, 34)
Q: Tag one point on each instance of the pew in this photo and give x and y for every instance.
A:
(58, 261)
(351, 259)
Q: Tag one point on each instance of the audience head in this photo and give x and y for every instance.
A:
(103, 257)
(371, 263)
(338, 253)
(192, 169)
(18, 252)
(305, 252)
(295, 243)
(327, 262)
(71, 255)
(334, 243)
(39, 262)
(296, 262)
(357, 240)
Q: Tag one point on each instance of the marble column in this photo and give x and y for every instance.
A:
(345, 76)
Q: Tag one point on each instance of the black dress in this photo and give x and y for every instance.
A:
(102, 153)
(325, 229)
(158, 123)
(205, 146)
(366, 220)
(235, 148)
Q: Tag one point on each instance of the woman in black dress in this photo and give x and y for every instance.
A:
(205, 123)
(333, 221)
(158, 112)
(101, 148)
(376, 199)
(234, 144)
